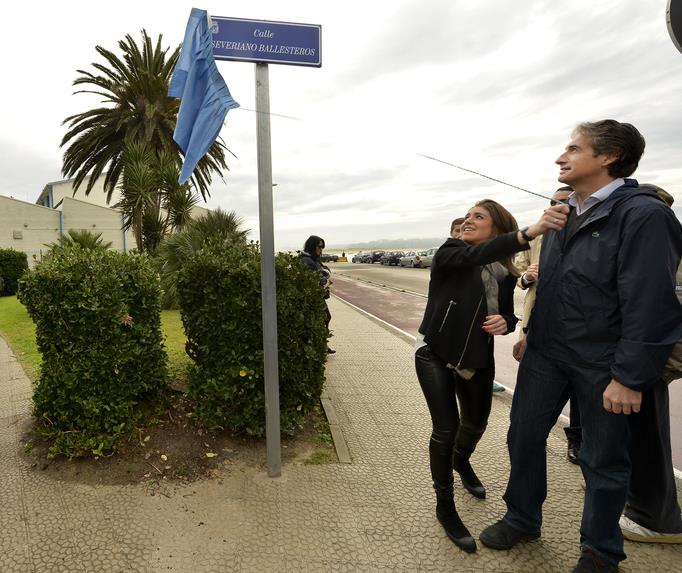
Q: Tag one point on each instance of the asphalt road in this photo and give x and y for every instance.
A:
(398, 296)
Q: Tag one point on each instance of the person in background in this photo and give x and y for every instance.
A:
(605, 320)
(471, 300)
(652, 512)
(312, 249)
(527, 262)
(455, 233)
(456, 228)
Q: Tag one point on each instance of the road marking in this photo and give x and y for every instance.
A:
(348, 277)
(376, 318)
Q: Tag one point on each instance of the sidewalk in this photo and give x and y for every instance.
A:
(375, 514)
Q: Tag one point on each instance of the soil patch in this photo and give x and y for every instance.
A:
(175, 446)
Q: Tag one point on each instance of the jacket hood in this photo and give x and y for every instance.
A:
(629, 190)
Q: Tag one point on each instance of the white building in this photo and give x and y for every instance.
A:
(30, 227)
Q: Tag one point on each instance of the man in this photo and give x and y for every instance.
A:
(652, 513)
(604, 323)
(527, 262)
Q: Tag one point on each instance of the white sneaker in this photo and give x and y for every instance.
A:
(633, 531)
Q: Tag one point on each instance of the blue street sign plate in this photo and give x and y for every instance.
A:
(263, 41)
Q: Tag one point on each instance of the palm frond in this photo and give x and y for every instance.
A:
(134, 84)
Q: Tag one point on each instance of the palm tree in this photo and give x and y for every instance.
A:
(153, 203)
(135, 87)
(218, 227)
(177, 200)
(81, 238)
(139, 188)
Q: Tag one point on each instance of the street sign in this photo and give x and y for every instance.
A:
(673, 17)
(266, 42)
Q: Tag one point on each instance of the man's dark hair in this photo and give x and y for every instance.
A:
(621, 139)
(311, 243)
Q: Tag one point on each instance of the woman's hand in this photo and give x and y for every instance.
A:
(495, 324)
(553, 219)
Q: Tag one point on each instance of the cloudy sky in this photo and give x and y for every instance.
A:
(492, 85)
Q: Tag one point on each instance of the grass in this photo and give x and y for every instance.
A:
(17, 328)
(171, 327)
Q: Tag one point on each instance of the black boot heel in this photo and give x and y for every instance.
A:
(470, 481)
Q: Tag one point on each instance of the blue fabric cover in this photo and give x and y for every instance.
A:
(205, 99)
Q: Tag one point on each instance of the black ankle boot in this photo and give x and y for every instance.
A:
(451, 522)
(470, 481)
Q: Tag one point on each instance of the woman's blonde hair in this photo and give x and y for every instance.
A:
(503, 222)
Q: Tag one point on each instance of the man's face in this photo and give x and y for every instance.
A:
(456, 232)
(578, 163)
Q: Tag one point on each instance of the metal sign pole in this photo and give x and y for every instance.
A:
(267, 270)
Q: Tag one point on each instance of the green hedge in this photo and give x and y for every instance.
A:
(220, 299)
(12, 266)
(97, 316)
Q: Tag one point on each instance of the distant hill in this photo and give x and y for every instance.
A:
(396, 244)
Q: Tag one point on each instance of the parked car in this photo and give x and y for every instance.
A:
(328, 258)
(392, 258)
(375, 256)
(425, 261)
(366, 258)
(413, 259)
(407, 259)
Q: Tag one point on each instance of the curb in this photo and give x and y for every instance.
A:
(340, 445)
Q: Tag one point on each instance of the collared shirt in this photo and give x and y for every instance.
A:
(596, 197)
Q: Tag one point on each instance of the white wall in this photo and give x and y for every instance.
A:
(82, 216)
(27, 227)
(97, 196)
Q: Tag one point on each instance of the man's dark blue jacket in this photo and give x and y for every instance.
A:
(606, 295)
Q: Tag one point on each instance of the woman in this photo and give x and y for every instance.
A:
(471, 299)
(312, 249)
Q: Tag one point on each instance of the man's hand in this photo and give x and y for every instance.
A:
(495, 324)
(519, 349)
(620, 399)
(531, 274)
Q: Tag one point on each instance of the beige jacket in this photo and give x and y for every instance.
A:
(522, 261)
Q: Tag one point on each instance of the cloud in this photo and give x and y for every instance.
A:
(491, 85)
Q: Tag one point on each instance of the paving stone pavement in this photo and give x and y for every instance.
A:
(375, 515)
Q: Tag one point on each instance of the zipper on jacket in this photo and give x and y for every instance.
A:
(471, 327)
(450, 305)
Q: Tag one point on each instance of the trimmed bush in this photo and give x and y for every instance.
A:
(13, 264)
(220, 298)
(97, 316)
